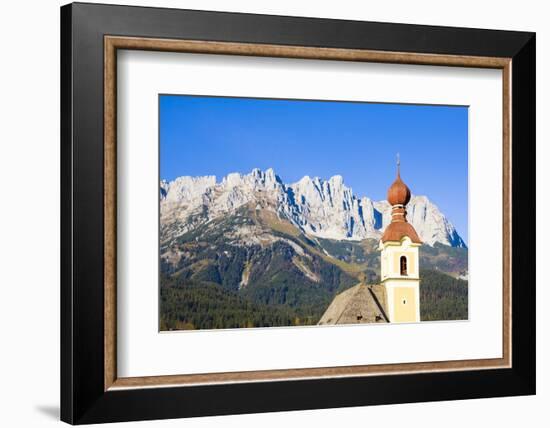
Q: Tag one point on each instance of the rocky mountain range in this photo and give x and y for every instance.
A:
(319, 208)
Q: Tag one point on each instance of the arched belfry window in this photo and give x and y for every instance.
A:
(403, 265)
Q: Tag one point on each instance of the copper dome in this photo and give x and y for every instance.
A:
(399, 193)
(399, 196)
(397, 230)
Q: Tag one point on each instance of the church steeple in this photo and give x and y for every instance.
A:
(399, 258)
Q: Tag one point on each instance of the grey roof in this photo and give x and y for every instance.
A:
(357, 305)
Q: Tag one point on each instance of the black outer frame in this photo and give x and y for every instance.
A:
(83, 399)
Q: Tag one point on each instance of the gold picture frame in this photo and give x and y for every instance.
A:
(114, 43)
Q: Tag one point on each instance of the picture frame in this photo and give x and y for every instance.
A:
(91, 391)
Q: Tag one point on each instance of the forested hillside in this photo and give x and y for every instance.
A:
(190, 304)
(442, 297)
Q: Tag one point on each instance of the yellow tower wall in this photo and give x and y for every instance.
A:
(390, 255)
(404, 304)
(398, 291)
(403, 291)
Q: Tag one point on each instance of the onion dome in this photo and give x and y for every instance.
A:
(399, 196)
(399, 193)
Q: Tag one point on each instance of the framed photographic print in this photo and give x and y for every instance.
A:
(265, 213)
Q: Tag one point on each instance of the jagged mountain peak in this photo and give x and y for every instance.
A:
(336, 180)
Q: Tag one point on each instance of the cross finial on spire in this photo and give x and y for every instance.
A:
(398, 165)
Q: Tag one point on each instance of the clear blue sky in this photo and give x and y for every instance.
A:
(216, 136)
